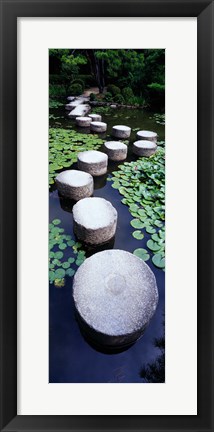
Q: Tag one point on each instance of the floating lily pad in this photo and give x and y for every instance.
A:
(142, 253)
(138, 235)
(136, 223)
(159, 261)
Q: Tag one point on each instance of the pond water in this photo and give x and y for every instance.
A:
(72, 359)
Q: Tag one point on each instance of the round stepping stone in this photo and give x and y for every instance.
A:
(115, 150)
(95, 117)
(93, 162)
(75, 184)
(98, 127)
(144, 148)
(121, 131)
(95, 220)
(115, 295)
(147, 135)
(83, 121)
(71, 98)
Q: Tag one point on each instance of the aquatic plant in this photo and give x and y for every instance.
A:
(55, 103)
(159, 118)
(64, 145)
(142, 184)
(65, 255)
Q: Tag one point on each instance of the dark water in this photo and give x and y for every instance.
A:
(71, 358)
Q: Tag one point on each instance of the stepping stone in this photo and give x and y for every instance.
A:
(75, 184)
(72, 105)
(98, 127)
(83, 121)
(93, 162)
(147, 135)
(144, 148)
(95, 220)
(71, 98)
(95, 117)
(115, 295)
(116, 150)
(80, 111)
(121, 131)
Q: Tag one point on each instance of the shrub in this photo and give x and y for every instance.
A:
(78, 81)
(75, 89)
(127, 93)
(56, 90)
(113, 89)
(119, 99)
(93, 97)
(108, 97)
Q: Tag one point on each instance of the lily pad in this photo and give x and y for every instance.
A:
(142, 253)
(159, 261)
(136, 223)
(138, 235)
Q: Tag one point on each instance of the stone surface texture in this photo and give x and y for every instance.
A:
(121, 131)
(75, 184)
(98, 127)
(144, 148)
(83, 121)
(95, 220)
(116, 150)
(147, 135)
(93, 162)
(80, 111)
(96, 117)
(116, 295)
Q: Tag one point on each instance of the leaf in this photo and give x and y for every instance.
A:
(58, 255)
(138, 235)
(159, 261)
(59, 273)
(150, 230)
(70, 272)
(136, 223)
(142, 253)
(62, 246)
(133, 207)
(71, 260)
(56, 221)
(153, 246)
(66, 265)
(70, 242)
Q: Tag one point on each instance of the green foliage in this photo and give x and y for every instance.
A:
(108, 97)
(141, 253)
(56, 90)
(113, 89)
(60, 263)
(75, 89)
(54, 104)
(93, 97)
(128, 94)
(119, 99)
(142, 185)
(64, 145)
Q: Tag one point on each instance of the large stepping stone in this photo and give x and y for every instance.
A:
(95, 220)
(144, 148)
(147, 135)
(98, 127)
(93, 162)
(95, 117)
(116, 151)
(115, 295)
(75, 184)
(80, 111)
(71, 98)
(121, 131)
(83, 121)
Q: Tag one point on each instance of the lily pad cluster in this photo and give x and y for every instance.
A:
(142, 185)
(159, 118)
(64, 145)
(65, 255)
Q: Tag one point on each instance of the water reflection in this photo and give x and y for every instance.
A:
(154, 372)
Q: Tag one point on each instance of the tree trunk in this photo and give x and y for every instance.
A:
(97, 69)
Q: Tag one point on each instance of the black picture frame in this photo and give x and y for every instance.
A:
(10, 11)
